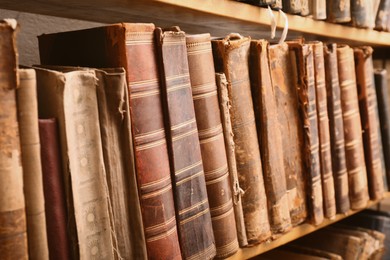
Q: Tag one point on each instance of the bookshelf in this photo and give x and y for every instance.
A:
(219, 17)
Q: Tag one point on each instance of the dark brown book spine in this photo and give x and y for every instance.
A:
(231, 57)
(292, 6)
(305, 80)
(338, 11)
(323, 131)
(336, 129)
(224, 104)
(354, 153)
(384, 118)
(13, 236)
(291, 128)
(192, 206)
(270, 139)
(383, 16)
(370, 121)
(53, 187)
(362, 14)
(212, 144)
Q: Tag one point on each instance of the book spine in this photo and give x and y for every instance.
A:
(318, 9)
(292, 6)
(212, 145)
(192, 205)
(305, 8)
(13, 234)
(338, 11)
(384, 117)
(372, 141)
(383, 16)
(151, 151)
(362, 13)
(270, 139)
(224, 105)
(323, 131)
(53, 187)
(31, 161)
(278, 5)
(354, 153)
(336, 129)
(231, 57)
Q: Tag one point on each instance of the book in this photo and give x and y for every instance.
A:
(305, 8)
(270, 140)
(225, 105)
(384, 117)
(291, 130)
(136, 52)
(338, 11)
(71, 97)
(318, 9)
(27, 107)
(354, 153)
(323, 131)
(312, 251)
(53, 187)
(292, 6)
(362, 13)
(118, 154)
(279, 253)
(13, 234)
(212, 143)
(192, 205)
(336, 129)
(304, 78)
(370, 121)
(382, 19)
(231, 56)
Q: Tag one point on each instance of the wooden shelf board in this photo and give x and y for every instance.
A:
(219, 17)
(295, 233)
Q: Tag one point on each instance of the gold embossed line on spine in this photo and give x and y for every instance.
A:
(336, 129)
(192, 207)
(323, 131)
(269, 135)
(354, 153)
(370, 121)
(231, 57)
(212, 145)
(13, 234)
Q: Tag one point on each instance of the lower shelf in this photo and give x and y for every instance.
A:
(295, 233)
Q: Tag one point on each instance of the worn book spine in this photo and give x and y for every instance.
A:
(354, 153)
(384, 117)
(336, 129)
(291, 128)
(212, 144)
(53, 187)
(292, 6)
(231, 57)
(270, 139)
(305, 8)
(318, 9)
(338, 11)
(362, 13)
(278, 5)
(192, 208)
(302, 56)
(323, 131)
(31, 161)
(382, 20)
(370, 121)
(71, 98)
(13, 234)
(225, 105)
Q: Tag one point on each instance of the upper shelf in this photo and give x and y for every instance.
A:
(219, 17)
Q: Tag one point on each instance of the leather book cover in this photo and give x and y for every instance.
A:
(192, 204)
(212, 143)
(13, 234)
(323, 131)
(118, 154)
(336, 130)
(270, 139)
(382, 20)
(370, 121)
(26, 95)
(53, 187)
(302, 58)
(338, 11)
(71, 98)
(225, 105)
(362, 14)
(305, 8)
(354, 153)
(132, 46)
(231, 56)
(318, 9)
(383, 100)
(292, 6)
(291, 128)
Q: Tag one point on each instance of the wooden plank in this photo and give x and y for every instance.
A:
(295, 233)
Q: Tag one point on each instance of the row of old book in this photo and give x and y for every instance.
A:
(372, 14)
(161, 157)
(362, 236)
